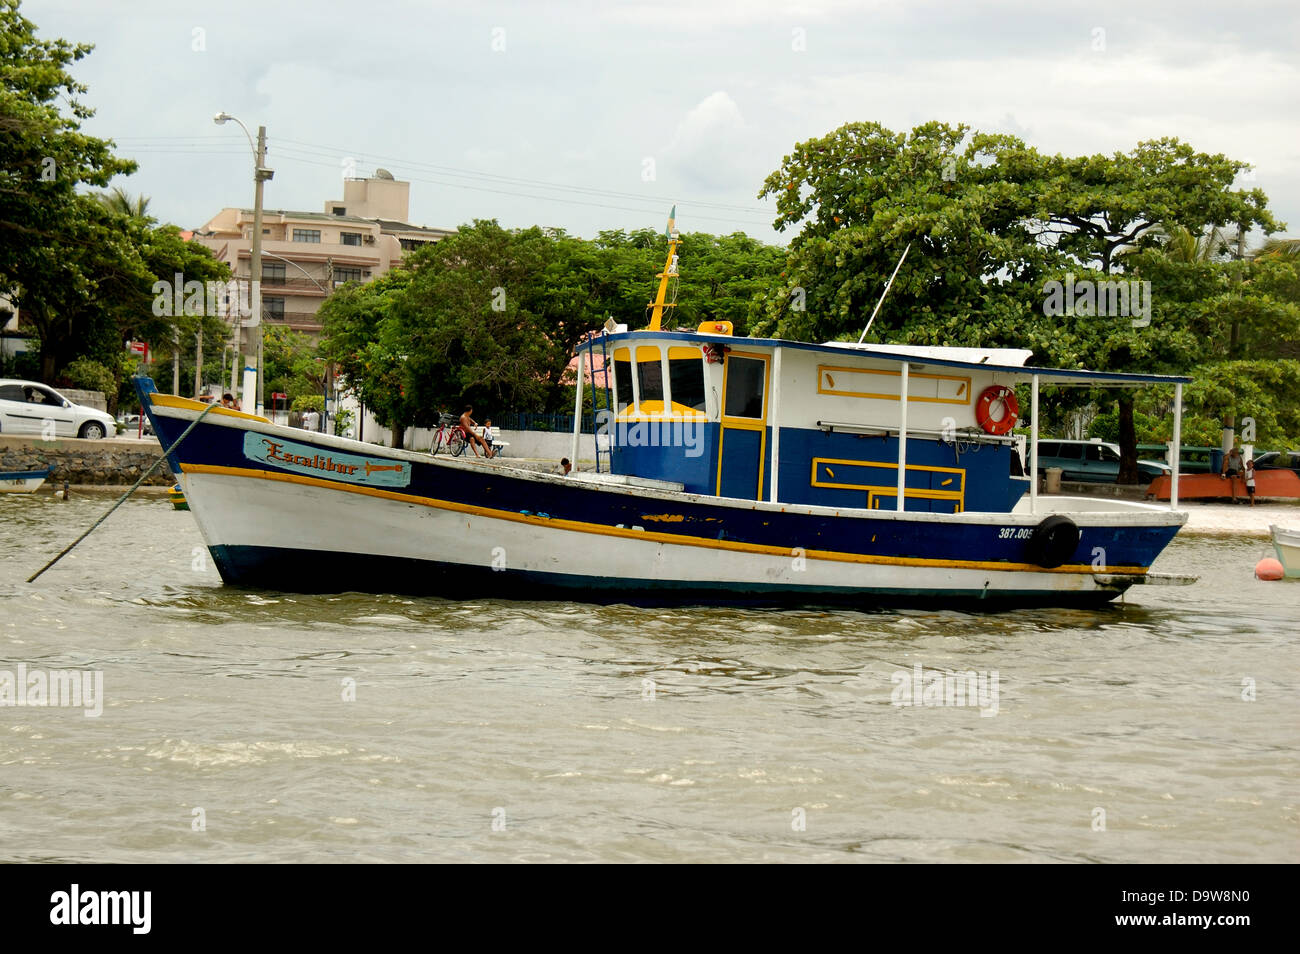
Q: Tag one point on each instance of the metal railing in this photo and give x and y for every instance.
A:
(555, 422)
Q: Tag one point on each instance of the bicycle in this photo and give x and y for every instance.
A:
(450, 436)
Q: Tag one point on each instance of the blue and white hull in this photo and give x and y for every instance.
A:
(283, 509)
(23, 481)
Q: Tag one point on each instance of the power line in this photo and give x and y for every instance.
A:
(525, 195)
(311, 153)
(452, 170)
(293, 155)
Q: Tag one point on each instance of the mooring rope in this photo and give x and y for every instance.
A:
(121, 500)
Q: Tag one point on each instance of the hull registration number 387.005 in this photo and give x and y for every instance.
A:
(1015, 533)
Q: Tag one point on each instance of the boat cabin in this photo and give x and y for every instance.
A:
(880, 427)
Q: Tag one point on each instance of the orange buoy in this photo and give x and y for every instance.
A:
(997, 394)
(1269, 569)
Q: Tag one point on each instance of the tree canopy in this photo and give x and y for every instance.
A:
(993, 223)
(79, 265)
(491, 316)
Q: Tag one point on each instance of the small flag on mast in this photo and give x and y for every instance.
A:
(672, 224)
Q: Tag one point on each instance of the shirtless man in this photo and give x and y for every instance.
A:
(471, 433)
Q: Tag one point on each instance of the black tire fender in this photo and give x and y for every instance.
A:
(1053, 541)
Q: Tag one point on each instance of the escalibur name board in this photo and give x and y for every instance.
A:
(300, 458)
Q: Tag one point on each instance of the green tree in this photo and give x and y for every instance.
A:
(354, 319)
(1091, 210)
(294, 365)
(991, 221)
(862, 193)
(59, 248)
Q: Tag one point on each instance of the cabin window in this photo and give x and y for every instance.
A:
(649, 379)
(745, 380)
(686, 379)
(622, 380)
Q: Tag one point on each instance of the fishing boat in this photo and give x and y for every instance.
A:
(23, 481)
(729, 469)
(1287, 544)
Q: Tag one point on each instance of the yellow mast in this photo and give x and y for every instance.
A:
(670, 271)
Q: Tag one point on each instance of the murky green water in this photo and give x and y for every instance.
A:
(499, 731)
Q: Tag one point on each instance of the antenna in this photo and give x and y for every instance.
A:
(670, 271)
(885, 292)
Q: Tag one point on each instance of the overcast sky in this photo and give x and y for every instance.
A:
(557, 113)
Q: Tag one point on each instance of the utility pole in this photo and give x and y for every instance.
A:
(198, 363)
(176, 363)
(1234, 339)
(260, 174)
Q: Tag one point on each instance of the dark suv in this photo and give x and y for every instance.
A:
(1091, 461)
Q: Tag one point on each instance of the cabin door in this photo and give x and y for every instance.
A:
(742, 448)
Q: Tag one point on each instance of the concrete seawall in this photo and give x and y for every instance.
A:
(112, 462)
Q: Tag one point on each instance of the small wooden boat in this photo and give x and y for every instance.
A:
(22, 481)
(1287, 544)
(177, 497)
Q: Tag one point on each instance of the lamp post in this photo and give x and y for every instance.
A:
(260, 175)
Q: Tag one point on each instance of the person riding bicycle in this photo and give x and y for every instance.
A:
(470, 428)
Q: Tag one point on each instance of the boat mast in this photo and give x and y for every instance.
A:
(670, 271)
(888, 285)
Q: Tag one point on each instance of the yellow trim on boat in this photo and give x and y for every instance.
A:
(891, 490)
(962, 397)
(628, 533)
(189, 404)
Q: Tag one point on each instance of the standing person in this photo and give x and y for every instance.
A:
(471, 430)
(1233, 466)
(1250, 480)
(311, 420)
(488, 437)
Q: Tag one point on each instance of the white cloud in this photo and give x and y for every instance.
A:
(709, 147)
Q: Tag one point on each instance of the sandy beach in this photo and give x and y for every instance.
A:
(1226, 518)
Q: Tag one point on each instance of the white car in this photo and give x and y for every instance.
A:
(26, 406)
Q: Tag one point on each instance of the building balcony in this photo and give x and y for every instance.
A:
(305, 321)
(295, 286)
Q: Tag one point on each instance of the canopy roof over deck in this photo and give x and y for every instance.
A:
(1004, 361)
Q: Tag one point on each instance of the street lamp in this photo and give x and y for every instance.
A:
(260, 175)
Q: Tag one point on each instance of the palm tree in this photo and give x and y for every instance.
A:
(1280, 248)
(1180, 244)
(120, 201)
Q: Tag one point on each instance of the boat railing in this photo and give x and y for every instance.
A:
(967, 435)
